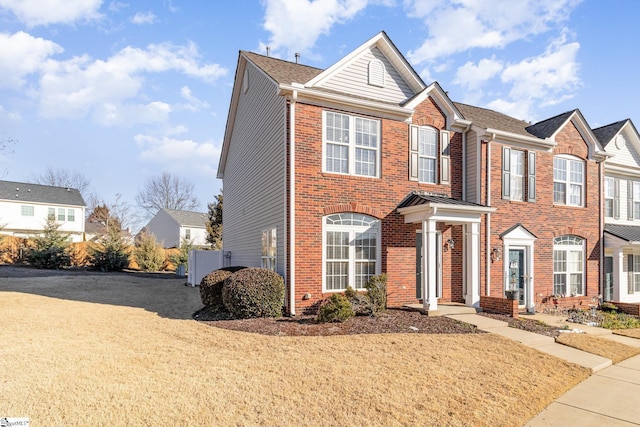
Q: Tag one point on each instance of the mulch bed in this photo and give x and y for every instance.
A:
(393, 321)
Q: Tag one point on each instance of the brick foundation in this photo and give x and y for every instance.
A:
(629, 308)
(500, 306)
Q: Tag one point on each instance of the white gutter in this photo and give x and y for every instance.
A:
(346, 100)
(292, 200)
(510, 136)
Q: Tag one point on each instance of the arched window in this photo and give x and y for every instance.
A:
(351, 250)
(568, 265)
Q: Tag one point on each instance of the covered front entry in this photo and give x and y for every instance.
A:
(428, 210)
(519, 245)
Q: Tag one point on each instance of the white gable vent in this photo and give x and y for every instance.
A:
(376, 73)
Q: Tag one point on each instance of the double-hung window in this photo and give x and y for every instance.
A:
(351, 250)
(633, 201)
(568, 265)
(609, 196)
(568, 181)
(427, 152)
(518, 175)
(269, 249)
(26, 210)
(71, 215)
(61, 214)
(633, 267)
(51, 214)
(351, 144)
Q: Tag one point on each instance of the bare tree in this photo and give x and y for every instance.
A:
(116, 213)
(63, 178)
(166, 191)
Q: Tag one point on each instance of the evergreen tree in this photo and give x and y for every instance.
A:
(214, 223)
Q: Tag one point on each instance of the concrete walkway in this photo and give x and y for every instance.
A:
(609, 397)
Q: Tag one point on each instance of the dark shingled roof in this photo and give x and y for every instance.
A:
(188, 218)
(283, 71)
(630, 233)
(606, 133)
(546, 128)
(36, 193)
(416, 198)
(489, 119)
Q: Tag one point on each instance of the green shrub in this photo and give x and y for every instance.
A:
(370, 303)
(111, 252)
(377, 294)
(336, 308)
(253, 292)
(51, 248)
(211, 287)
(620, 321)
(148, 253)
(609, 307)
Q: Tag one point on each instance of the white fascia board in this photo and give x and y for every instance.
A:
(622, 169)
(377, 108)
(514, 137)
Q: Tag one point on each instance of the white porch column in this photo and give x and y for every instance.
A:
(472, 242)
(429, 267)
(618, 273)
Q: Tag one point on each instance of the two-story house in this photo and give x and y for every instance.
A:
(621, 209)
(332, 176)
(171, 227)
(25, 208)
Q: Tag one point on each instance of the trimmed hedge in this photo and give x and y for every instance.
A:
(211, 287)
(253, 292)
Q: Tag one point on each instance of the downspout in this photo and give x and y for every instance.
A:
(601, 211)
(487, 242)
(292, 199)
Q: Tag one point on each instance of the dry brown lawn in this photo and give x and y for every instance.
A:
(633, 333)
(92, 350)
(609, 349)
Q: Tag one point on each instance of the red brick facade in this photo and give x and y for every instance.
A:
(319, 194)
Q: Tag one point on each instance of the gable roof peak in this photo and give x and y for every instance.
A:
(546, 128)
(281, 70)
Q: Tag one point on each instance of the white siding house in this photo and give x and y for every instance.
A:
(24, 209)
(171, 226)
(621, 211)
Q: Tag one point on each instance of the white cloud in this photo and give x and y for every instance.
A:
(45, 12)
(117, 6)
(472, 76)
(144, 18)
(22, 54)
(459, 25)
(8, 117)
(295, 25)
(182, 155)
(111, 90)
(193, 104)
(541, 81)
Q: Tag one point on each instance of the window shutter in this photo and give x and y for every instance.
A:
(616, 199)
(531, 185)
(630, 199)
(413, 153)
(630, 287)
(445, 157)
(506, 173)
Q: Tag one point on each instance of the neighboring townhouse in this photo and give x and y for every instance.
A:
(171, 227)
(621, 209)
(25, 208)
(332, 176)
(543, 179)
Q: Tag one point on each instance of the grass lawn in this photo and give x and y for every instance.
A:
(633, 333)
(609, 349)
(70, 361)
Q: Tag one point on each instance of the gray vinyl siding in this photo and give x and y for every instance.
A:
(354, 79)
(472, 175)
(254, 177)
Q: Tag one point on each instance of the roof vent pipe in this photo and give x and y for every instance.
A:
(297, 57)
(268, 51)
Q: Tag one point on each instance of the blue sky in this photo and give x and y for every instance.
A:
(121, 91)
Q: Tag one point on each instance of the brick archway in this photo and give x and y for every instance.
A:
(353, 207)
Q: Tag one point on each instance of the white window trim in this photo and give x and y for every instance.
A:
(611, 187)
(351, 164)
(568, 182)
(434, 157)
(267, 260)
(520, 177)
(352, 229)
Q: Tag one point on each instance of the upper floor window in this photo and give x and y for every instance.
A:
(51, 214)
(351, 250)
(611, 197)
(518, 175)
(568, 181)
(62, 214)
(26, 210)
(633, 199)
(352, 144)
(424, 152)
(71, 215)
(187, 234)
(633, 268)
